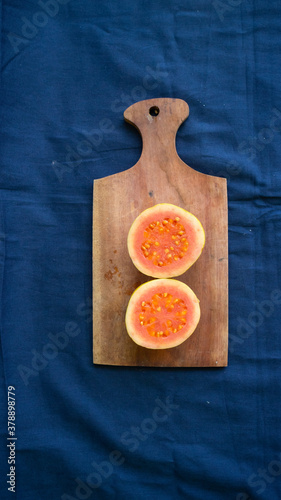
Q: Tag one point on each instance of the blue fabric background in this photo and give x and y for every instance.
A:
(69, 69)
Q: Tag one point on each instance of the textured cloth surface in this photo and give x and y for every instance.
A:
(69, 70)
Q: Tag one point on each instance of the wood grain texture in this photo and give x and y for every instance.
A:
(159, 176)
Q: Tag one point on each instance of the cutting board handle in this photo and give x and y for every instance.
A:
(158, 121)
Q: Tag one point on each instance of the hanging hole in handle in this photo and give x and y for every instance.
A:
(154, 111)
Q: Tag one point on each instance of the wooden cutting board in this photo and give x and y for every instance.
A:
(159, 176)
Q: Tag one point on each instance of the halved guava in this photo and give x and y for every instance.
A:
(162, 313)
(165, 240)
